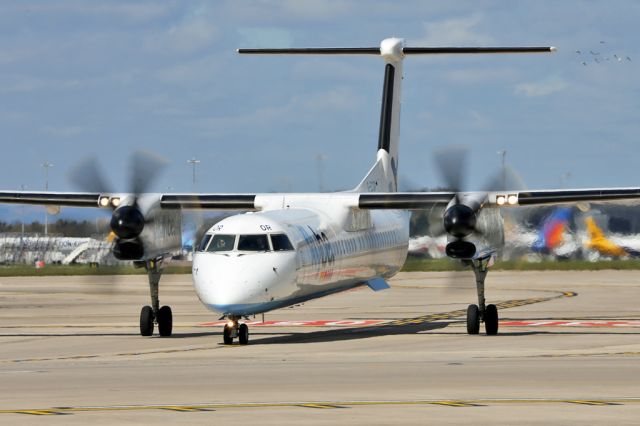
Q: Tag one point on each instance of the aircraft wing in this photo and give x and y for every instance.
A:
(373, 200)
(102, 200)
(209, 201)
(559, 196)
(424, 200)
(71, 199)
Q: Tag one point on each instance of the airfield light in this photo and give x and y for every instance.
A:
(115, 201)
(500, 200)
(104, 201)
(513, 199)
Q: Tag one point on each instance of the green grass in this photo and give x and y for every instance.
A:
(65, 270)
(418, 264)
(413, 264)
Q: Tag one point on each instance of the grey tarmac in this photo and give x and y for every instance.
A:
(71, 354)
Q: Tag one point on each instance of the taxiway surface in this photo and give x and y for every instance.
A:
(71, 354)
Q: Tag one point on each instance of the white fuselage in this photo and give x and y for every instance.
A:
(332, 248)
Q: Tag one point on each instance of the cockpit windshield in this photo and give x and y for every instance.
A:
(221, 242)
(280, 242)
(204, 242)
(253, 243)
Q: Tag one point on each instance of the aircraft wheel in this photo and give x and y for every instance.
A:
(165, 321)
(473, 319)
(226, 335)
(491, 320)
(146, 321)
(243, 334)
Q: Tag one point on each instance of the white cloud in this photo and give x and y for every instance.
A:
(265, 37)
(189, 72)
(27, 85)
(195, 31)
(337, 99)
(454, 32)
(545, 87)
(297, 110)
(192, 34)
(139, 12)
(315, 9)
(480, 75)
(63, 131)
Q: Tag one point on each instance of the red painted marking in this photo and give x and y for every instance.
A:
(577, 323)
(317, 323)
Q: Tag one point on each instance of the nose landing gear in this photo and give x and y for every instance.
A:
(232, 330)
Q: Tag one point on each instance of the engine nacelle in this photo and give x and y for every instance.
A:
(145, 230)
(460, 249)
(128, 249)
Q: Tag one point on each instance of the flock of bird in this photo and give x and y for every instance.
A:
(598, 58)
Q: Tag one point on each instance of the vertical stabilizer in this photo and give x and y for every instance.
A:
(384, 174)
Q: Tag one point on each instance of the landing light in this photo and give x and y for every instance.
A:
(230, 324)
(500, 200)
(104, 201)
(513, 199)
(115, 201)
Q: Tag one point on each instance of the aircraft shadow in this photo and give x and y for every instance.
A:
(335, 335)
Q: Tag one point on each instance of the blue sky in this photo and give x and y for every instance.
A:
(102, 78)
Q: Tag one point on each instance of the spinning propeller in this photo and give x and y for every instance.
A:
(460, 219)
(128, 219)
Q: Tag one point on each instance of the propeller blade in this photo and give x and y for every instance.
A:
(452, 165)
(503, 180)
(145, 166)
(86, 176)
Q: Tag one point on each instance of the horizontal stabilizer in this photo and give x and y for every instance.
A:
(405, 50)
(377, 284)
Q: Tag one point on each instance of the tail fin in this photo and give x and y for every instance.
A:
(597, 241)
(595, 233)
(383, 176)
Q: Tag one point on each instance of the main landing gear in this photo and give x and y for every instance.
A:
(476, 313)
(154, 314)
(232, 330)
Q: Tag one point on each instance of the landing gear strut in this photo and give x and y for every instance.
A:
(154, 314)
(232, 330)
(481, 312)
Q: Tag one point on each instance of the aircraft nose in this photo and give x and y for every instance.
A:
(235, 284)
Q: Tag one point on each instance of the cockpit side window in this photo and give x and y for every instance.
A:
(280, 242)
(204, 242)
(253, 243)
(222, 242)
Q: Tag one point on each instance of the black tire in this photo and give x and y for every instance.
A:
(165, 321)
(243, 334)
(146, 321)
(226, 335)
(473, 319)
(491, 320)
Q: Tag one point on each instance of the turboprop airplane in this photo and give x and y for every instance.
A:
(290, 248)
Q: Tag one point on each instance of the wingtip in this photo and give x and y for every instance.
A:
(553, 49)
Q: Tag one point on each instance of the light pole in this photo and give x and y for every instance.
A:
(503, 153)
(320, 160)
(46, 165)
(22, 188)
(193, 163)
